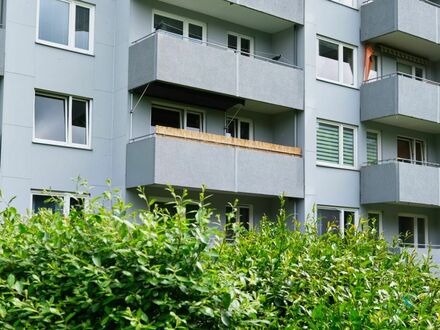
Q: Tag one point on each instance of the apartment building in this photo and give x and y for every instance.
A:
(333, 103)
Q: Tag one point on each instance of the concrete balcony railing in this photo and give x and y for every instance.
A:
(191, 159)
(169, 58)
(391, 20)
(391, 97)
(394, 181)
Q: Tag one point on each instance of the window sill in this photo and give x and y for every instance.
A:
(337, 83)
(338, 167)
(63, 47)
(61, 144)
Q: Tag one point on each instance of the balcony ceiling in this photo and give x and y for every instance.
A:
(410, 44)
(235, 13)
(411, 123)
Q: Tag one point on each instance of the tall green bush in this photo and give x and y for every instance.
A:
(109, 267)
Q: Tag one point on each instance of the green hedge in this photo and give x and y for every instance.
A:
(106, 267)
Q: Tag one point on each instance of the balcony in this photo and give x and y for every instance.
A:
(409, 25)
(171, 59)
(401, 183)
(254, 13)
(191, 159)
(400, 100)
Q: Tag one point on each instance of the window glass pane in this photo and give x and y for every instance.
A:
(419, 72)
(420, 152)
(195, 31)
(348, 219)
(77, 203)
(245, 130)
(168, 24)
(404, 68)
(406, 230)
(373, 221)
(163, 117)
(404, 149)
(194, 121)
(245, 46)
(232, 42)
(328, 143)
(82, 27)
(54, 21)
(328, 218)
(46, 202)
(421, 232)
(245, 217)
(328, 61)
(374, 68)
(348, 67)
(50, 118)
(79, 122)
(348, 146)
(372, 148)
(231, 127)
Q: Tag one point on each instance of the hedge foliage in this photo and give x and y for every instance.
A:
(110, 268)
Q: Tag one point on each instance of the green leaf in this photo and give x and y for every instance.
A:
(11, 280)
(96, 260)
(226, 320)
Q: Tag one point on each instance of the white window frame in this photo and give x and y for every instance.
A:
(186, 21)
(65, 196)
(379, 219)
(183, 111)
(67, 122)
(413, 142)
(239, 37)
(237, 214)
(341, 215)
(416, 232)
(230, 119)
(413, 68)
(71, 37)
(379, 67)
(341, 46)
(341, 127)
(379, 143)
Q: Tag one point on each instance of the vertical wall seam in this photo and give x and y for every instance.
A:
(235, 169)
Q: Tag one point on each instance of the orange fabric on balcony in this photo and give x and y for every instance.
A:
(369, 52)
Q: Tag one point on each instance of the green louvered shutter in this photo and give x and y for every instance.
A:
(372, 148)
(348, 146)
(328, 143)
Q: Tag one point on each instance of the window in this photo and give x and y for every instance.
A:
(179, 25)
(338, 219)
(411, 150)
(176, 118)
(66, 24)
(239, 128)
(243, 216)
(413, 230)
(241, 43)
(375, 221)
(62, 120)
(336, 144)
(349, 3)
(57, 202)
(374, 70)
(336, 62)
(411, 69)
(373, 147)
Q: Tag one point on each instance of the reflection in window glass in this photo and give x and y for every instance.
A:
(348, 68)
(50, 118)
(328, 60)
(46, 202)
(54, 21)
(82, 27)
(168, 24)
(328, 218)
(195, 31)
(79, 122)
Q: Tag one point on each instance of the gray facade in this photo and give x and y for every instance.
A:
(261, 98)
